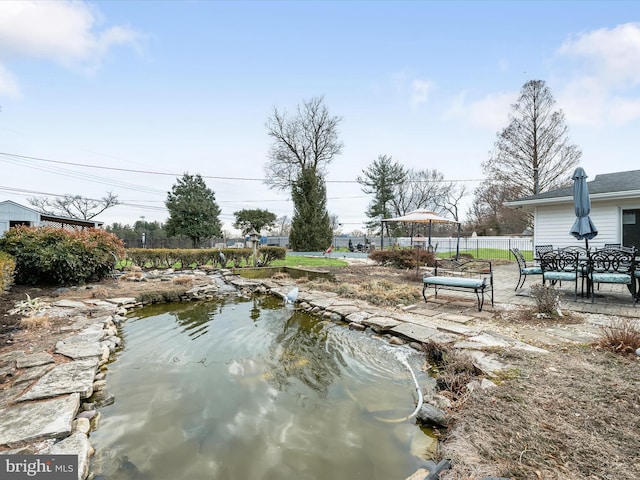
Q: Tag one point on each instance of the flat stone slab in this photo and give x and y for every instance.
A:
(32, 374)
(79, 350)
(452, 317)
(380, 324)
(34, 360)
(66, 378)
(343, 310)
(37, 421)
(322, 302)
(10, 357)
(419, 333)
(119, 301)
(76, 444)
(357, 317)
(482, 341)
(427, 312)
(69, 304)
(487, 363)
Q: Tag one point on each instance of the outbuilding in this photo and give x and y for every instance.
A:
(615, 211)
(13, 214)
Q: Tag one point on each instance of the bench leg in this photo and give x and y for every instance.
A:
(480, 299)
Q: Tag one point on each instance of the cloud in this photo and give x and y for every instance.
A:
(490, 112)
(8, 85)
(602, 87)
(420, 92)
(66, 32)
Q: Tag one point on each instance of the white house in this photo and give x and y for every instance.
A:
(615, 211)
(13, 214)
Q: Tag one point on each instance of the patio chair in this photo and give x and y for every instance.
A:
(523, 268)
(542, 249)
(611, 265)
(562, 266)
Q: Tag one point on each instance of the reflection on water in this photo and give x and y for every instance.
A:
(250, 389)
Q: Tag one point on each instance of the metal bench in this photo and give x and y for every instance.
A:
(461, 275)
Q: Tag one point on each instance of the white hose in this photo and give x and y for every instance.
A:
(420, 400)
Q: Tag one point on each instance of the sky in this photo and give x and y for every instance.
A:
(127, 96)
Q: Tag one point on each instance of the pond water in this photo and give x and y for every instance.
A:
(250, 389)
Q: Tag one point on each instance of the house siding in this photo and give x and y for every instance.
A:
(553, 222)
(13, 212)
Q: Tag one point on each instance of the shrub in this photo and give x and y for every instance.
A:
(622, 335)
(56, 256)
(547, 299)
(402, 258)
(7, 268)
(186, 258)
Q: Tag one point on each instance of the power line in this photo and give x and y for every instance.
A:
(152, 172)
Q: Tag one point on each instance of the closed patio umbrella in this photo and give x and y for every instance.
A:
(583, 228)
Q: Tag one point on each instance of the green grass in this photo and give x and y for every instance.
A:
(295, 261)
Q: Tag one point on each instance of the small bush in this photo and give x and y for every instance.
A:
(403, 258)
(7, 268)
(547, 299)
(54, 256)
(622, 335)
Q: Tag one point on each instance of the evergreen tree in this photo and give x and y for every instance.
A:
(310, 227)
(193, 211)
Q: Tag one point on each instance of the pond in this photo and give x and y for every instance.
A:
(252, 389)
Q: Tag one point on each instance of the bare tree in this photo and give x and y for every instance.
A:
(421, 189)
(282, 227)
(489, 216)
(306, 140)
(533, 154)
(450, 200)
(74, 206)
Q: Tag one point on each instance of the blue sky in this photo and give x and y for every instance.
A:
(174, 87)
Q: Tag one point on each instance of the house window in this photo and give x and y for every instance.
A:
(17, 223)
(631, 228)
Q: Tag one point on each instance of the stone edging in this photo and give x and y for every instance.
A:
(43, 412)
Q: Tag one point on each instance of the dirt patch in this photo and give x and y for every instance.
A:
(573, 413)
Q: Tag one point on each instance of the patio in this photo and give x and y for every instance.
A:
(611, 299)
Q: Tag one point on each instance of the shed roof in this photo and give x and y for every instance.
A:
(58, 219)
(603, 186)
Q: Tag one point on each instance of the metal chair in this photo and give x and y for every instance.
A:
(542, 249)
(613, 265)
(561, 266)
(523, 268)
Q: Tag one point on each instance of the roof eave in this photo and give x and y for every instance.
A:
(525, 204)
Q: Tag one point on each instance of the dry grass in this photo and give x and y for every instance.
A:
(622, 335)
(35, 322)
(571, 414)
(132, 276)
(99, 293)
(376, 291)
(183, 280)
(453, 369)
(280, 276)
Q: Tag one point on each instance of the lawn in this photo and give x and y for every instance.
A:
(300, 261)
